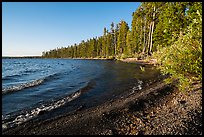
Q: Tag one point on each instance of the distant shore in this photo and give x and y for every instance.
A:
(128, 60)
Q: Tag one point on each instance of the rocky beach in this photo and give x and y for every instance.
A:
(158, 109)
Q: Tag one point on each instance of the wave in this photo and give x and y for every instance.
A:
(22, 86)
(28, 84)
(52, 76)
(89, 86)
(45, 108)
(137, 86)
(31, 71)
(10, 77)
(15, 76)
(28, 115)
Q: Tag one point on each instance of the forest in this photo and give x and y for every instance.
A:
(171, 32)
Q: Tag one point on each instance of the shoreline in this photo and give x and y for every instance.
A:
(145, 112)
(140, 62)
(127, 60)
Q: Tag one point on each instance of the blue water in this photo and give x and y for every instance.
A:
(33, 85)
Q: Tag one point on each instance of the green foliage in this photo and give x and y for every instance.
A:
(124, 56)
(121, 40)
(171, 22)
(183, 59)
(111, 57)
(142, 68)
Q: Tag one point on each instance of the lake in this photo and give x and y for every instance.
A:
(31, 87)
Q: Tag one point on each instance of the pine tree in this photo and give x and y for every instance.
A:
(104, 45)
(127, 50)
(121, 41)
(112, 40)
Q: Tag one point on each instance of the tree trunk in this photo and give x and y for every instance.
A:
(144, 38)
(115, 43)
(148, 44)
(150, 47)
(141, 34)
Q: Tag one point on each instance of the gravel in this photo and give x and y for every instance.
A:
(159, 109)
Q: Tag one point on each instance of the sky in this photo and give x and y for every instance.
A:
(29, 28)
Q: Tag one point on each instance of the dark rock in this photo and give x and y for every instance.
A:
(42, 112)
(182, 101)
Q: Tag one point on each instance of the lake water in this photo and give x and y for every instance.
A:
(33, 86)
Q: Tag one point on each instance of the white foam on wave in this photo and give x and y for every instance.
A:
(35, 112)
(138, 86)
(22, 86)
(28, 84)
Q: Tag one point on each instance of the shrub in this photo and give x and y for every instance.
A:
(183, 59)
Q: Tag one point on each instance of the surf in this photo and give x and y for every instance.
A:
(10, 120)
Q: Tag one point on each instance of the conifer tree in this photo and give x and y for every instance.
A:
(121, 41)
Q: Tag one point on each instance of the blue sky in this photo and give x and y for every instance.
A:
(29, 28)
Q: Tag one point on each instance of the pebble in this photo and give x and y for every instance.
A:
(4, 126)
(167, 116)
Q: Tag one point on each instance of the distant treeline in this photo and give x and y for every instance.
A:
(154, 25)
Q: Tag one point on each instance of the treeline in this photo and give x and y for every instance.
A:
(154, 25)
(170, 32)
